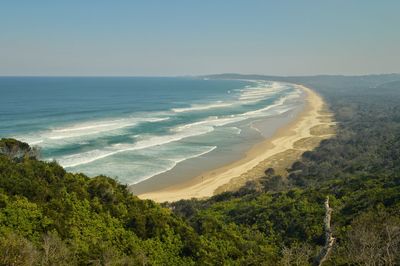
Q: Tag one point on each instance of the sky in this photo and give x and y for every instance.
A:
(169, 38)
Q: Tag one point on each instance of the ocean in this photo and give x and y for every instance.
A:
(134, 128)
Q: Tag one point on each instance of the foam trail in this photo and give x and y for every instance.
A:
(250, 94)
(202, 107)
(86, 130)
(179, 132)
(90, 156)
(217, 121)
(257, 112)
(211, 122)
(174, 163)
(78, 131)
(261, 91)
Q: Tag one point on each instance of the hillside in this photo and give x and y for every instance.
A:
(51, 217)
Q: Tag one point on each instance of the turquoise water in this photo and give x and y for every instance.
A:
(134, 128)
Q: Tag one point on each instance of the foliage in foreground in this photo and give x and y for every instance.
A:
(51, 217)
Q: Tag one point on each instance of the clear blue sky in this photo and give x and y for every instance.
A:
(117, 37)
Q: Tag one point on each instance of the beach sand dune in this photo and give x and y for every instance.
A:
(312, 125)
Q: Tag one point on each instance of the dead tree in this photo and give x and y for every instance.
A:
(329, 239)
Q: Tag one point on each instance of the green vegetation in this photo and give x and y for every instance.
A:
(82, 220)
(51, 217)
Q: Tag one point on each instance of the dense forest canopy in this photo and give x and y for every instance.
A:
(51, 217)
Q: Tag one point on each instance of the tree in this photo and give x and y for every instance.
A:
(16, 250)
(374, 239)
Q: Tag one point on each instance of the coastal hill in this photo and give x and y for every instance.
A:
(49, 216)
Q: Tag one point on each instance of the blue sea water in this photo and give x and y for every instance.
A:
(134, 128)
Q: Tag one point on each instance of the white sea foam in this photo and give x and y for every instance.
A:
(85, 129)
(174, 162)
(208, 123)
(211, 122)
(250, 94)
(138, 167)
(261, 91)
(262, 111)
(145, 142)
(202, 107)
(178, 133)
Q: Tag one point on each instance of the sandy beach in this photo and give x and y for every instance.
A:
(313, 124)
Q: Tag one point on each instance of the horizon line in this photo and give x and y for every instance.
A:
(191, 75)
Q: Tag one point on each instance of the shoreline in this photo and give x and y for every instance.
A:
(252, 165)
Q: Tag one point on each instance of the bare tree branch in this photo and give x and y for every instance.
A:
(329, 239)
